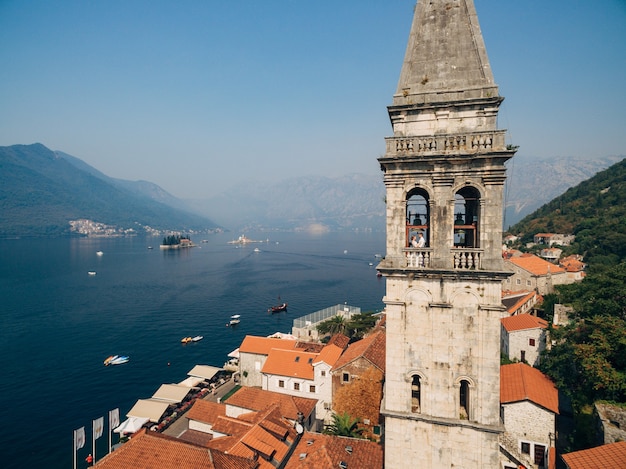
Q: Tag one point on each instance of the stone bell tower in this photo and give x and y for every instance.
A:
(444, 176)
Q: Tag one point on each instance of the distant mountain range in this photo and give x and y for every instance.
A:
(42, 190)
(358, 201)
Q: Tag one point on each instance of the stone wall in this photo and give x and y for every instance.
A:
(611, 422)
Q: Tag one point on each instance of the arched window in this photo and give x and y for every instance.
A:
(417, 215)
(466, 218)
(415, 394)
(464, 399)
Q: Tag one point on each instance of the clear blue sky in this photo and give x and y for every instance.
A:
(199, 95)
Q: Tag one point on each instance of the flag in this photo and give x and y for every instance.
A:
(114, 419)
(98, 426)
(79, 438)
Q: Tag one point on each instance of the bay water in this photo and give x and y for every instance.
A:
(58, 323)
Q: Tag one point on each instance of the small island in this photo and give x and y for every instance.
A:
(176, 242)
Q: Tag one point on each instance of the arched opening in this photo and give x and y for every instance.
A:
(415, 394)
(466, 218)
(417, 216)
(464, 407)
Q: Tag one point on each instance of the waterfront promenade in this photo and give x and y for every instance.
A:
(180, 425)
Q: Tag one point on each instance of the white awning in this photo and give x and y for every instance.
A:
(131, 425)
(204, 371)
(191, 382)
(151, 409)
(172, 393)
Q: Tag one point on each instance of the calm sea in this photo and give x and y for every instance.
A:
(58, 323)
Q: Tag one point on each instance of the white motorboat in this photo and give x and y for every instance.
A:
(197, 338)
(235, 319)
(116, 360)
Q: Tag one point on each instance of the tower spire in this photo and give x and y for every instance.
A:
(445, 57)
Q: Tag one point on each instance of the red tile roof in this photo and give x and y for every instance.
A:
(317, 451)
(522, 322)
(258, 399)
(339, 340)
(149, 450)
(298, 363)
(521, 382)
(205, 411)
(293, 363)
(611, 456)
(263, 345)
(263, 433)
(372, 348)
(535, 265)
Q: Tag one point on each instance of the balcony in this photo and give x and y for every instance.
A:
(472, 142)
(461, 258)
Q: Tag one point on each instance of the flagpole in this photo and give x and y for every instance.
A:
(93, 436)
(74, 448)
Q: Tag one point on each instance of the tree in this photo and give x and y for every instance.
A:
(344, 425)
(588, 361)
(360, 324)
(332, 326)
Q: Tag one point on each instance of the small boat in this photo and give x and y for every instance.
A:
(257, 250)
(186, 340)
(100, 253)
(91, 272)
(197, 338)
(278, 308)
(116, 360)
(235, 319)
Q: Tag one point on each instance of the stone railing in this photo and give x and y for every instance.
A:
(463, 258)
(470, 142)
(467, 258)
(418, 257)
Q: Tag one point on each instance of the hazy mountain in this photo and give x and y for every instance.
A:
(594, 211)
(350, 202)
(357, 201)
(532, 182)
(41, 191)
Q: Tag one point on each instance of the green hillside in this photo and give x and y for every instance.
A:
(594, 211)
(40, 192)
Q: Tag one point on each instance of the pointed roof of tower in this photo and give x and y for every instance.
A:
(446, 59)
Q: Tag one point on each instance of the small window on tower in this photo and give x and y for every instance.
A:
(416, 394)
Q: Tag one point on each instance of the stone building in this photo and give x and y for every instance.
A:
(444, 174)
(523, 338)
(534, 273)
(529, 406)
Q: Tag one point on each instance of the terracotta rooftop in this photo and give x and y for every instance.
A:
(205, 411)
(148, 450)
(514, 301)
(535, 265)
(339, 340)
(294, 363)
(520, 382)
(611, 456)
(522, 322)
(372, 348)
(263, 345)
(257, 399)
(298, 363)
(317, 451)
(263, 433)
(329, 355)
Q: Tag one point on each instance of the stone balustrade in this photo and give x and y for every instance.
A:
(474, 142)
(462, 258)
